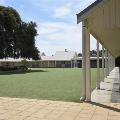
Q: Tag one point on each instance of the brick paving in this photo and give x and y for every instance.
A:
(31, 109)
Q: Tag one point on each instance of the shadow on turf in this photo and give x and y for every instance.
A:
(20, 72)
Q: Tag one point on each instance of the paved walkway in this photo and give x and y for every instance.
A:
(109, 91)
(29, 109)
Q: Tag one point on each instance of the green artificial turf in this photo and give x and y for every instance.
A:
(51, 84)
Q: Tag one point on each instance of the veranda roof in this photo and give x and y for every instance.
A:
(103, 22)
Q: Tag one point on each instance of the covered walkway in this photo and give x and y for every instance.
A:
(102, 20)
(29, 109)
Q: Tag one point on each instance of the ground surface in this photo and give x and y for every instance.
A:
(48, 84)
(29, 109)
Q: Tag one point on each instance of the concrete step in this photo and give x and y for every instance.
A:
(115, 74)
(115, 87)
(104, 96)
(116, 69)
(113, 77)
(108, 80)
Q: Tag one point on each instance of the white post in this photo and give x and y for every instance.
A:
(106, 62)
(86, 93)
(55, 64)
(83, 61)
(88, 70)
(71, 63)
(113, 62)
(109, 63)
(74, 63)
(103, 64)
(98, 67)
(48, 64)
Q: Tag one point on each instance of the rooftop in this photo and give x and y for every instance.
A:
(61, 55)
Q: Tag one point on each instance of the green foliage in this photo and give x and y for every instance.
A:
(93, 53)
(24, 62)
(17, 38)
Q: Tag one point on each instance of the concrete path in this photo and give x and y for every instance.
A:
(29, 109)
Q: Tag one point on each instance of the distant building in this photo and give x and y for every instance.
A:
(61, 59)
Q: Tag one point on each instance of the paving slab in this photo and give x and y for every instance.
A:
(56, 110)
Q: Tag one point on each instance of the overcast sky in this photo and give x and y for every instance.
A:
(56, 20)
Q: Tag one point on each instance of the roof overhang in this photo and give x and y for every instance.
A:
(87, 12)
(103, 22)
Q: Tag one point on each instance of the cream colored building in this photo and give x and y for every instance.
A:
(61, 59)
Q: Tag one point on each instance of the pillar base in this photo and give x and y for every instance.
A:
(82, 99)
(98, 88)
(88, 100)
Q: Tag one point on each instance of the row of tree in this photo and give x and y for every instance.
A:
(17, 38)
(93, 53)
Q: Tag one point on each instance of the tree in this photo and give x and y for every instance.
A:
(79, 54)
(26, 35)
(43, 54)
(17, 38)
(9, 22)
(93, 53)
(100, 53)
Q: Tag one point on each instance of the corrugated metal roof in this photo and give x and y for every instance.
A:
(61, 56)
(46, 58)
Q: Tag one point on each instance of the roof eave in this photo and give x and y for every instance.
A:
(90, 9)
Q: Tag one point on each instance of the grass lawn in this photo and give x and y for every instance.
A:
(50, 84)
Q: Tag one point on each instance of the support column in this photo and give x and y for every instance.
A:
(103, 64)
(55, 64)
(106, 63)
(98, 67)
(83, 62)
(88, 70)
(109, 63)
(74, 63)
(113, 62)
(48, 64)
(71, 63)
(86, 83)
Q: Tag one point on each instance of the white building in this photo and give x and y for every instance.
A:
(64, 59)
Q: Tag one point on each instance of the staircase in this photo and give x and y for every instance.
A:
(109, 91)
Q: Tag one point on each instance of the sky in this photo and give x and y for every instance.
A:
(56, 22)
